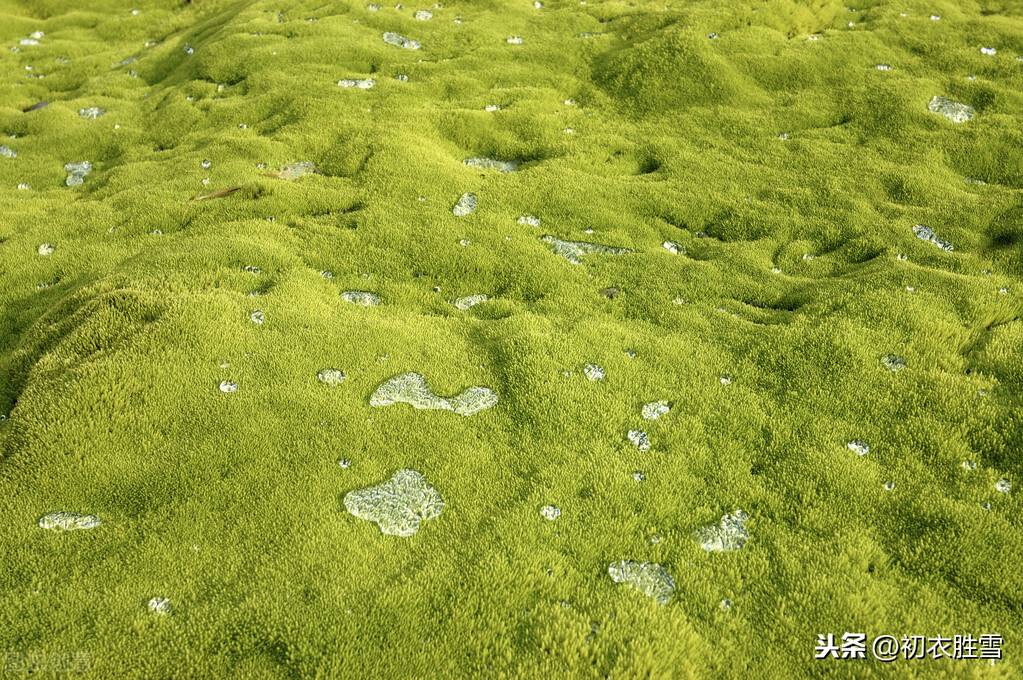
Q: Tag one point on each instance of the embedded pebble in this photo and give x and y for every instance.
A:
(893, 362)
(412, 388)
(363, 84)
(530, 220)
(468, 301)
(593, 372)
(492, 107)
(91, 112)
(987, 50)
(574, 250)
(925, 233)
(68, 521)
(969, 465)
(331, 376)
(1003, 485)
(424, 15)
(729, 534)
(649, 578)
(77, 172)
(726, 379)
(726, 605)
(656, 409)
(466, 204)
(638, 476)
(257, 317)
(228, 386)
(515, 40)
(398, 505)
(858, 447)
(297, 169)
(491, 164)
(8, 152)
(159, 605)
(550, 512)
(47, 249)
(640, 439)
(361, 297)
(400, 41)
(884, 67)
(889, 485)
(673, 247)
(954, 111)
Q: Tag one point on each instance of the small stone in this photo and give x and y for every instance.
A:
(398, 505)
(331, 376)
(344, 463)
(640, 439)
(1003, 485)
(298, 169)
(77, 172)
(402, 77)
(8, 152)
(327, 275)
(638, 476)
(47, 249)
(884, 67)
(492, 107)
(713, 36)
(726, 605)
(491, 164)
(954, 111)
(630, 353)
(228, 386)
(858, 447)
(925, 233)
(159, 605)
(574, 250)
(674, 247)
(985, 505)
(412, 388)
(68, 521)
(91, 112)
(424, 15)
(729, 534)
(361, 297)
(726, 379)
(538, 4)
(649, 578)
(373, 8)
(889, 485)
(893, 362)
(256, 316)
(515, 40)
(593, 372)
(400, 41)
(364, 84)
(969, 465)
(530, 220)
(550, 512)
(656, 409)
(987, 50)
(466, 204)
(468, 301)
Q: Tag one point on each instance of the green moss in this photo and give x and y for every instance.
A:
(231, 505)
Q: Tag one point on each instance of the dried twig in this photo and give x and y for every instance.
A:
(215, 194)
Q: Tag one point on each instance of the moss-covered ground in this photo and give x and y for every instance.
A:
(231, 504)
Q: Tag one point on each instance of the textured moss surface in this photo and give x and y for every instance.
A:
(789, 172)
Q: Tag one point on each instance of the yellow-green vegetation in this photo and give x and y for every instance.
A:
(712, 204)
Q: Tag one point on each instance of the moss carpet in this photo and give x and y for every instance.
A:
(389, 412)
